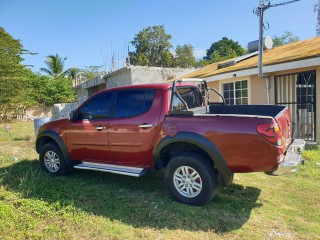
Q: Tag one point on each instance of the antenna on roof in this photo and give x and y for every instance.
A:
(113, 63)
(103, 60)
(128, 56)
(259, 11)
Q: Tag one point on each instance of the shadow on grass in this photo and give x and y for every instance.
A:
(139, 202)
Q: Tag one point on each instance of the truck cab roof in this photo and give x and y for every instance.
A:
(150, 86)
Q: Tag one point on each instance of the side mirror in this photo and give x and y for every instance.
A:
(70, 115)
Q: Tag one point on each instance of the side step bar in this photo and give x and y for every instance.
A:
(123, 170)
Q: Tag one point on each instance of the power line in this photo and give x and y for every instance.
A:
(269, 5)
(281, 4)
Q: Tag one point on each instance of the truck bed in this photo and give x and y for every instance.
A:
(273, 111)
(261, 110)
(279, 113)
(233, 129)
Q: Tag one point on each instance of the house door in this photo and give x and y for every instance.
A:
(298, 92)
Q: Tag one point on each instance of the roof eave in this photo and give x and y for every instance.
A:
(267, 69)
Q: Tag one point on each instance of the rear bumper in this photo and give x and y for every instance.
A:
(292, 158)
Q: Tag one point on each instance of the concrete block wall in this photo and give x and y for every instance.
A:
(61, 110)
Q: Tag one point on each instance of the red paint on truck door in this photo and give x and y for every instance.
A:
(87, 134)
(134, 125)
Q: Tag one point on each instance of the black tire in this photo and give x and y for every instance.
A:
(52, 160)
(186, 165)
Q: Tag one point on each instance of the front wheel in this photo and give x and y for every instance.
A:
(191, 179)
(52, 160)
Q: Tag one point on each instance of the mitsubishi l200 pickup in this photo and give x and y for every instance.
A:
(131, 130)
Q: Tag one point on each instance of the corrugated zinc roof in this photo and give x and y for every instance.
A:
(309, 48)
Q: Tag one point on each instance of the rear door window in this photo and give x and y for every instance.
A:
(133, 102)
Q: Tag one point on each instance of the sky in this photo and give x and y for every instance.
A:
(89, 32)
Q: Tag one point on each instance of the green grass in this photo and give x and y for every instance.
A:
(94, 205)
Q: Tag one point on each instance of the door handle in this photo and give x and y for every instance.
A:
(146, 126)
(100, 128)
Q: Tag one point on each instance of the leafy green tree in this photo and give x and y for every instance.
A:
(12, 74)
(73, 73)
(286, 38)
(202, 62)
(152, 47)
(21, 88)
(42, 91)
(91, 71)
(80, 75)
(224, 49)
(55, 66)
(139, 59)
(184, 57)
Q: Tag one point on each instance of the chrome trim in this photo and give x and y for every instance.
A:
(52, 161)
(146, 126)
(123, 170)
(187, 181)
(292, 158)
(112, 165)
(100, 128)
(232, 115)
(107, 170)
(126, 144)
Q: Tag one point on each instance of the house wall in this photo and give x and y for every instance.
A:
(92, 82)
(142, 75)
(61, 110)
(213, 96)
(258, 90)
(218, 86)
(82, 94)
(94, 89)
(318, 103)
(120, 79)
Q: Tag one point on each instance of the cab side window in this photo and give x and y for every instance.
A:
(133, 102)
(96, 108)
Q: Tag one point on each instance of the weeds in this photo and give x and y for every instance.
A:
(23, 138)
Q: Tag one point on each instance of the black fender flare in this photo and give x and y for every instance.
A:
(203, 143)
(57, 139)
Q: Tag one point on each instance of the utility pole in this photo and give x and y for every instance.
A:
(317, 10)
(259, 11)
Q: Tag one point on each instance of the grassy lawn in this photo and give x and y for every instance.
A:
(94, 205)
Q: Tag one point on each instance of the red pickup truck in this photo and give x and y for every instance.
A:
(133, 129)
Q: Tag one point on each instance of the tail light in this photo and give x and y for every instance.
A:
(270, 132)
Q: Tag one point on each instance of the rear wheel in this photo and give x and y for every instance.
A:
(52, 160)
(191, 179)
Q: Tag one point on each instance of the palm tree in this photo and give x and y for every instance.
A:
(55, 65)
(73, 73)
